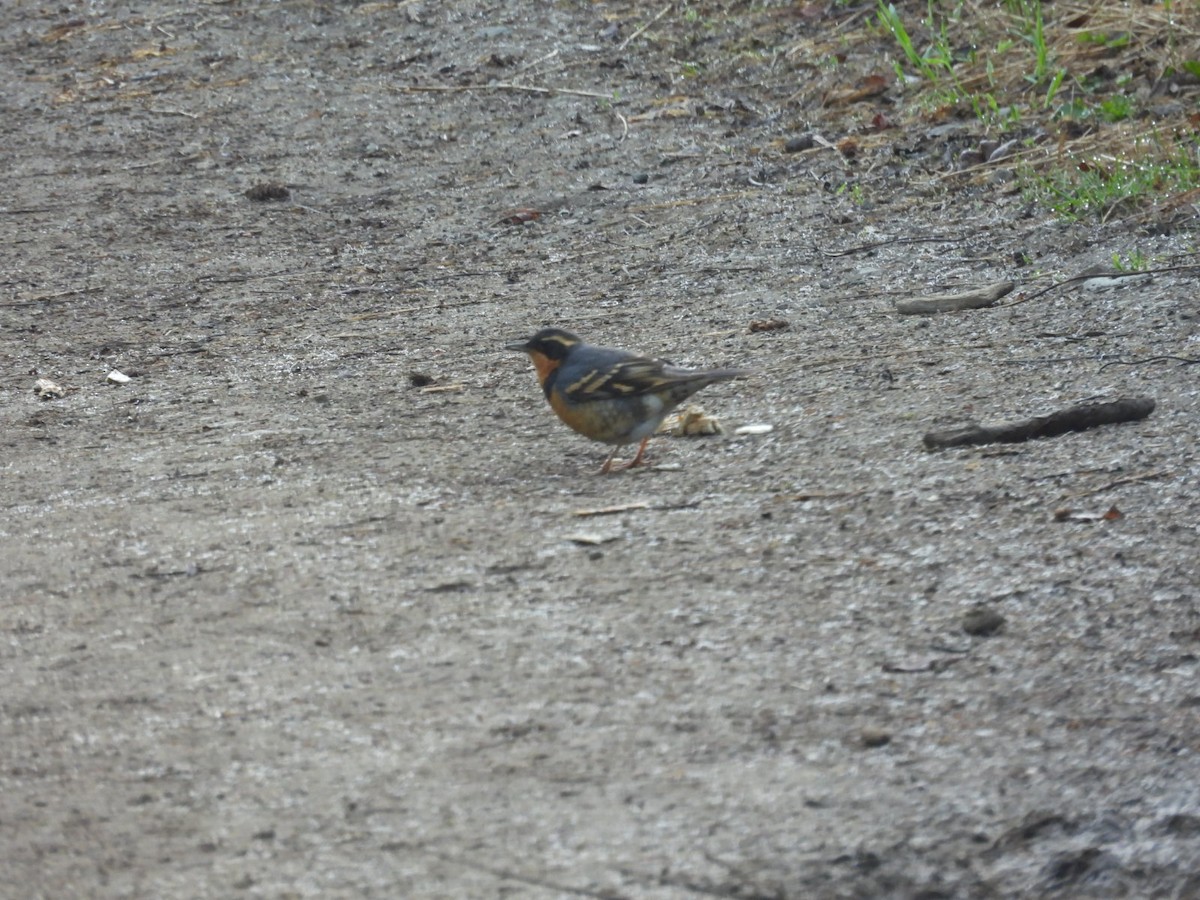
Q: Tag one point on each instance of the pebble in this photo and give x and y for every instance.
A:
(872, 737)
(796, 144)
(982, 622)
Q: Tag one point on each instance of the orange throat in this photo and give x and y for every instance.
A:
(544, 365)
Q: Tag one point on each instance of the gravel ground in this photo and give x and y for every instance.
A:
(323, 601)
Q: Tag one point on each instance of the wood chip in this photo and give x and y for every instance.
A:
(754, 429)
(443, 388)
(758, 325)
(45, 389)
(690, 422)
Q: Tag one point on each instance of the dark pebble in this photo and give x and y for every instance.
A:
(875, 737)
(982, 622)
(796, 144)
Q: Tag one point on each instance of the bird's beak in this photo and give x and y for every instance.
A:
(523, 346)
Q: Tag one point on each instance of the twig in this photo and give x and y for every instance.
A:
(456, 388)
(498, 86)
(241, 279)
(1075, 418)
(1089, 275)
(977, 298)
(610, 510)
(387, 313)
(428, 279)
(537, 62)
(1186, 360)
(637, 34)
(41, 298)
(1132, 479)
(822, 495)
(990, 163)
(506, 874)
(633, 507)
(694, 201)
(864, 248)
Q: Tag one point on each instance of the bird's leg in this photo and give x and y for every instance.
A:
(638, 459)
(607, 467)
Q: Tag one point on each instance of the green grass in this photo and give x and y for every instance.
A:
(1134, 261)
(1098, 189)
(1030, 25)
(1018, 65)
(932, 63)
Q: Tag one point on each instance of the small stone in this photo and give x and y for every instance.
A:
(797, 144)
(641, 178)
(872, 737)
(982, 622)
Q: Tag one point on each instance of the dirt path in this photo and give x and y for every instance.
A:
(308, 608)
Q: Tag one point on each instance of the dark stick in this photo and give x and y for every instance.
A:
(1074, 418)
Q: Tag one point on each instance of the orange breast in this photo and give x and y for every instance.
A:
(615, 421)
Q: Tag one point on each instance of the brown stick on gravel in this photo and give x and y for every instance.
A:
(1074, 418)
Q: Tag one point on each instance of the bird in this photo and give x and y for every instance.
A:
(611, 396)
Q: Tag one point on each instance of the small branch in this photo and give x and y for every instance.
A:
(1132, 479)
(1076, 418)
(536, 881)
(175, 112)
(1089, 275)
(388, 313)
(1186, 360)
(637, 34)
(43, 298)
(610, 510)
(633, 507)
(977, 298)
(498, 86)
(875, 245)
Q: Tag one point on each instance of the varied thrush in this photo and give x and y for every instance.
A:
(609, 395)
